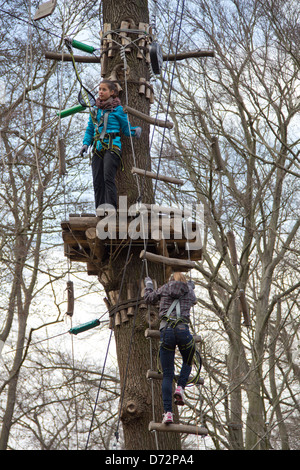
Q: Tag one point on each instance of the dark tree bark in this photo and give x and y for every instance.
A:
(133, 349)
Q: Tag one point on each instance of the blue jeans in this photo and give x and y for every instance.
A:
(170, 337)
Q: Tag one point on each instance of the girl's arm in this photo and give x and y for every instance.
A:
(126, 128)
(151, 296)
(89, 133)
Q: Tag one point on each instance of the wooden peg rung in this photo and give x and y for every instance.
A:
(155, 334)
(150, 174)
(149, 119)
(174, 262)
(125, 40)
(153, 374)
(142, 88)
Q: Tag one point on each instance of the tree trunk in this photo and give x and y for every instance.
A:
(140, 403)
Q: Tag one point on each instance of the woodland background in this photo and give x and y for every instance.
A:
(249, 96)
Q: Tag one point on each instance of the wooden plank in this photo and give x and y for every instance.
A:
(174, 262)
(149, 119)
(44, 10)
(150, 174)
(181, 428)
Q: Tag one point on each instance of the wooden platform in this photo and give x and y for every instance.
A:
(83, 233)
(179, 428)
(153, 374)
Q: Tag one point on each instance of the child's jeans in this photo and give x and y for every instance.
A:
(170, 337)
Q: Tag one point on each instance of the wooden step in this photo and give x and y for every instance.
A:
(181, 428)
(153, 374)
(156, 335)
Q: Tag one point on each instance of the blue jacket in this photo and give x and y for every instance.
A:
(117, 121)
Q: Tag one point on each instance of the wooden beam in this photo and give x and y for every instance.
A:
(149, 119)
(93, 60)
(188, 55)
(150, 174)
(184, 428)
(174, 262)
(68, 58)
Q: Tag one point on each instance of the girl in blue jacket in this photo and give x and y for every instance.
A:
(106, 122)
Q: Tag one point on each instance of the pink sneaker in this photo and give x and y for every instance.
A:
(178, 395)
(167, 418)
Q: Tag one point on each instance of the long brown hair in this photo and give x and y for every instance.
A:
(112, 87)
(177, 276)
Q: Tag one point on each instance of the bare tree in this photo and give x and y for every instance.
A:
(247, 98)
(32, 194)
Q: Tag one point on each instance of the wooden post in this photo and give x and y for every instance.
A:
(61, 150)
(70, 291)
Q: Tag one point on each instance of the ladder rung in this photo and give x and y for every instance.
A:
(156, 335)
(181, 428)
(174, 262)
(152, 374)
(147, 118)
